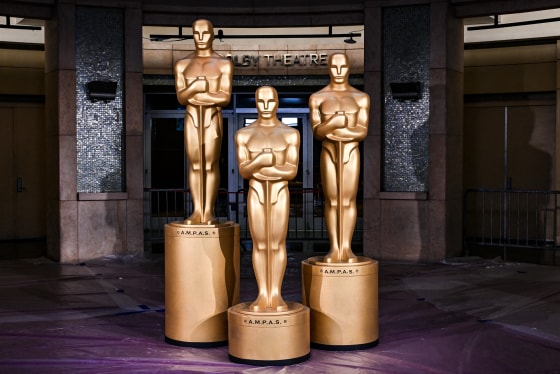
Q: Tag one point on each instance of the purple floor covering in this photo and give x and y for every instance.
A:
(465, 315)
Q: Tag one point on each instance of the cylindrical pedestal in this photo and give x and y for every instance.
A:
(269, 338)
(343, 298)
(201, 282)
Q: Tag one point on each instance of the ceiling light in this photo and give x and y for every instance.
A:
(350, 40)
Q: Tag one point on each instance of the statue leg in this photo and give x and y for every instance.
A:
(260, 261)
(211, 190)
(279, 261)
(194, 184)
(269, 297)
(256, 215)
(211, 151)
(279, 231)
(351, 180)
(348, 232)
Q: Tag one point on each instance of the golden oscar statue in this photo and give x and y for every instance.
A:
(268, 331)
(340, 288)
(201, 254)
(203, 81)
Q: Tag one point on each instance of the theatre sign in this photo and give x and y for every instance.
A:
(278, 59)
(256, 61)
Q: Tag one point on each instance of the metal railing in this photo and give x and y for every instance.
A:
(510, 218)
(306, 222)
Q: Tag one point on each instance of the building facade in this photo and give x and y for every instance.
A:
(413, 158)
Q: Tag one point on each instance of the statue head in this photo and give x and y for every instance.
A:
(203, 34)
(338, 67)
(266, 99)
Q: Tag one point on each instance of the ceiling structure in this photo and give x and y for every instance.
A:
(504, 19)
(517, 26)
(43, 9)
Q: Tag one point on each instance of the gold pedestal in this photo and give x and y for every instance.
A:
(201, 282)
(269, 338)
(343, 298)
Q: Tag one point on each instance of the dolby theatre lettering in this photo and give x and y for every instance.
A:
(279, 59)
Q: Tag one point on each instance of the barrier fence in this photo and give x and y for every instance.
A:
(306, 222)
(510, 219)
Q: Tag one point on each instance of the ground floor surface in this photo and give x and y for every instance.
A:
(466, 315)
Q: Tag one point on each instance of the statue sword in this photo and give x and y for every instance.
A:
(267, 223)
(340, 191)
(201, 147)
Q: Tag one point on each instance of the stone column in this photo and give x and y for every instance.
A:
(134, 128)
(373, 78)
(94, 148)
(60, 87)
(445, 215)
(413, 153)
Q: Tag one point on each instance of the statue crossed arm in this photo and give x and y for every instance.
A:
(211, 88)
(339, 122)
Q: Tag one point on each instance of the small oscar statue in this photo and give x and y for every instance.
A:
(268, 331)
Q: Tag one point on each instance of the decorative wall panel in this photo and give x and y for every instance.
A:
(100, 124)
(406, 58)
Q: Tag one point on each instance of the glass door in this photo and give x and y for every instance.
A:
(509, 146)
(166, 168)
(22, 189)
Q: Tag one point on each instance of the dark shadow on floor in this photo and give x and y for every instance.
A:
(21, 249)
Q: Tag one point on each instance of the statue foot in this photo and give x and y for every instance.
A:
(280, 306)
(210, 220)
(348, 256)
(255, 308)
(336, 256)
(328, 259)
(277, 303)
(258, 305)
(194, 219)
(262, 304)
(332, 256)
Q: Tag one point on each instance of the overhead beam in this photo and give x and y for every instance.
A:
(477, 8)
(36, 10)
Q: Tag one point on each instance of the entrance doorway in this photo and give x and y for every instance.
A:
(22, 160)
(166, 163)
(510, 144)
(167, 195)
(509, 203)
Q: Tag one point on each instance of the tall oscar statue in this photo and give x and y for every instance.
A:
(201, 253)
(340, 288)
(268, 331)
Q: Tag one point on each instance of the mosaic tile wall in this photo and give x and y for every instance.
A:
(406, 51)
(100, 125)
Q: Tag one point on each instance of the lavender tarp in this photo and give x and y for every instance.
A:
(106, 316)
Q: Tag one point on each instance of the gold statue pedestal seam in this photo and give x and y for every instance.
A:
(266, 338)
(201, 282)
(343, 300)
